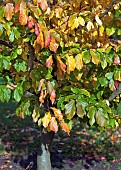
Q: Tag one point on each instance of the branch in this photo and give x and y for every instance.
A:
(115, 93)
(116, 41)
(108, 9)
(31, 57)
(2, 42)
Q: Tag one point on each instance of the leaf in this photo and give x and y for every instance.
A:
(79, 62)
(103, 82)
(20, 66)
(43, 4)
(53, 125)
(70, 109)
(65, 127)
(34, 9)
(49, 62)
(53, 96)
(47, 38)
(9, 11)
(100, 118)
(36, 114)
(31, 22)
(110, 31)
(81, 21)
(17, 95)
(95, 57)
(40, 84)
(11, 37)
(17, 7)
(46, 119)
(86, 57)
(40, 39)
(57, 113)
(70, 62)
(80, 110)
(61, 66)
(91, 115)
(99, 22)
(109, 76)
(23, 17)
(36, 29)
(53, 45)
(89, 26)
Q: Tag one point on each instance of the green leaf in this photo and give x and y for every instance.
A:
(109, 75)
(91, 115)
(16, 33)
(100, 117)
(84, 92)
(11, 37)
(110, 31)
(103, 82)
(6, 64)
(103, 63)
(70, 109)
(7, 94)
(17, 95)
(1, 29)
(86, 57)
(80, 110)
(19, 51)
(20, 66)
(99, 94)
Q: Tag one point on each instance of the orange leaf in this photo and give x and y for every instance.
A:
(49, 62)
(40, 39)
(65, 127)
(17, 7)
(9, 9)
(53, 96)
(57, 113)
(23, 17)
(43, 4)
(53, 45)
(53, 124)
(31, 22)
(61, 64)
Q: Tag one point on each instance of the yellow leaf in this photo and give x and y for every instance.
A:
(81, 21)
(75, 24)
(58, 12)
(57, 113)
(46, 119)
(65, 127)
(101, 30)
(71, 64)
(79, 62)
(36, 114)
(95, 57)
(90, 26)
(71, 21)
(9, 11)
(53, 125)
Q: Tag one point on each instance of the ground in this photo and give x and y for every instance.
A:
(85, 148)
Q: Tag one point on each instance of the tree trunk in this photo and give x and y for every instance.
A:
(43, 157)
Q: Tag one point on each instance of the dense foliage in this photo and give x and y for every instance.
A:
(62, 57)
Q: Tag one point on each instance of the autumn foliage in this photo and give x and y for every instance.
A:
(61, 60)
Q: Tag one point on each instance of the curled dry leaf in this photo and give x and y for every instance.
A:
(53, 125)
(57, 113)
(9, 11)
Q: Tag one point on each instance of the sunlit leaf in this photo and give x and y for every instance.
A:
(98, 20)
(100, 118)
(49, 62)
(79, 62)
(43, 4)
(46, 119)
(53, 125)
(89, 26)
(53, 45)
(23, 17)
(36, 114)
(57, 113)
(71, 64)
(95, 57)
(53, 96)
(91, 115)
(9, 11)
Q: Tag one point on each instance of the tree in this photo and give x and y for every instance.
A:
(61, 61)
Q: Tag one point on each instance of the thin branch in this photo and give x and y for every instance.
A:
(2, 42)
(115, 93)
(108, 9)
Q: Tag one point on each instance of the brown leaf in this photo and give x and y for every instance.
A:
(53, 125)
(65, 127)
(57, 113)
(23, 17)
(9, 11)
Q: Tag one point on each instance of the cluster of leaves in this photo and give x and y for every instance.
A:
(59, 55)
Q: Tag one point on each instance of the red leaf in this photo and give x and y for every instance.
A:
(116, 83)
(36, 29)
(53, 96)
(17, 7)
(43, 5)
(49, 62)
(117, 60)
(31, 22)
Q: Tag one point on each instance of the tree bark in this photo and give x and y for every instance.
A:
(43, 157)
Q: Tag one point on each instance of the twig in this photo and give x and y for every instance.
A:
(29, 167)
(115, 93)
(2, 42)
(108, 9)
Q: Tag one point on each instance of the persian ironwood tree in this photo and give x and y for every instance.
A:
(61, 61)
